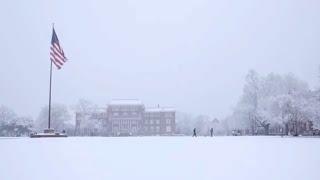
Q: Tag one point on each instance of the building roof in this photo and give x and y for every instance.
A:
(160, 109)
(125, 102)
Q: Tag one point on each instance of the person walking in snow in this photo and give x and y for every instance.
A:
(211, 132)
(194, 132)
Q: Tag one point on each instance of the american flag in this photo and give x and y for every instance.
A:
(56, 52)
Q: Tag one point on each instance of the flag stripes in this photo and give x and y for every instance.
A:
(56, 52)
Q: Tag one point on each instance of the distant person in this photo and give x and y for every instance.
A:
(63, 131)
(194, 132)
(211, 132)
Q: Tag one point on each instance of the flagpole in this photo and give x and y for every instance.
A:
(57, 57)
(49, 114)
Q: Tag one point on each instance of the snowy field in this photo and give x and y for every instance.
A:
(160, 158)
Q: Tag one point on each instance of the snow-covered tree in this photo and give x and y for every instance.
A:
(13, 125)
(184, 123)
(7, 115)
(60, 117)
(89, 120)
(85, 106)
(272, 100)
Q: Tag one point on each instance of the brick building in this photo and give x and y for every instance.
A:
(127, 117)
(159, 121)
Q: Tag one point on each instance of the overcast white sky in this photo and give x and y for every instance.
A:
(189, 54)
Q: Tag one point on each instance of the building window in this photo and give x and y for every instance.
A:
(157, 121)
(168, 128)
(168, 121)
(115, 114)
(151, 121)
(158, 129)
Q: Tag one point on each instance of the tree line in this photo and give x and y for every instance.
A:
(275, 103)
(269, 104)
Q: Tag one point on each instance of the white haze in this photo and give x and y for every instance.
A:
(192, 55)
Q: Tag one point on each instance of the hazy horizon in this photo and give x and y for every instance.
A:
(190, 55)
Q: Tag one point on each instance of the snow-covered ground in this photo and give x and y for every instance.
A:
(160, 158)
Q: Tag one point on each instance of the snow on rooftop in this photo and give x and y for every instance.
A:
(125, 102)
(160, 109)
